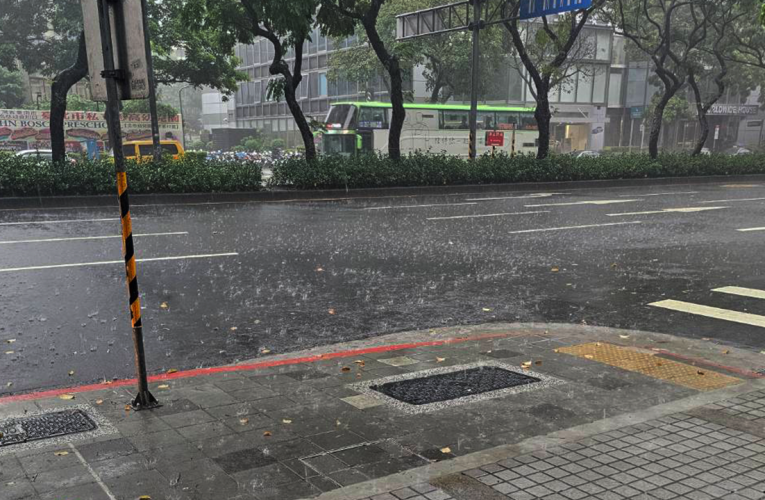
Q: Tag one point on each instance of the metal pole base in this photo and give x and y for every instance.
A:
(144, 401)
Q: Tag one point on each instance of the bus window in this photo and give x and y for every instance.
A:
(373, 118)
(485, 120)
(337, 116)
(169, 149)
(451, 120)
(342, 144)
(145, 149)
(507, 120)
(528, 122)
(128, 150)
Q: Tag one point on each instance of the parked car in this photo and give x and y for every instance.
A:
(587, 154)
(40, 154)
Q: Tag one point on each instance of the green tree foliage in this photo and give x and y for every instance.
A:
(142, 106)
(11, 89)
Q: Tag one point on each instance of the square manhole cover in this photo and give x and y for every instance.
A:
(453, 385)
(48, 425)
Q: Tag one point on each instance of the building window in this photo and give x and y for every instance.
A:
(599, 85)
(604, 46)
(584, 89)
(615, 89)
(322, 84)
(258, 93)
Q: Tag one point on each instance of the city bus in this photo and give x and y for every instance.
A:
(354, 127)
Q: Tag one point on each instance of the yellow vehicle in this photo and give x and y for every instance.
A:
(143, 150)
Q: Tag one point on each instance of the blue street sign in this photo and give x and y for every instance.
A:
(538, 8)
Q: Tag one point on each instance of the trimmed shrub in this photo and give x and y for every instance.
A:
(367, 171)
(190, 174)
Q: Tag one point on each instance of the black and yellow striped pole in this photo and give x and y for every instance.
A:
(144, 399)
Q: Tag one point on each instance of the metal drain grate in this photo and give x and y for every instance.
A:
(48, 425)
(453, 385)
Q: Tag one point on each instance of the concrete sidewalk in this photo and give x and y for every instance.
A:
(536, 411)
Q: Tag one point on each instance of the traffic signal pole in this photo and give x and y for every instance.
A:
(144, 399)
(474, 65)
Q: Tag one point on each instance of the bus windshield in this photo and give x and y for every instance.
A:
(338, 116)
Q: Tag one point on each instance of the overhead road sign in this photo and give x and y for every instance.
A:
(538, 8)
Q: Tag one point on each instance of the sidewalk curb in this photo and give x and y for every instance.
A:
(430, 472)
(284, 195)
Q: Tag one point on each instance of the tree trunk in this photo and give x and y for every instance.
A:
(543, 116)
(656, 122)
(302, 123)
(435, 94)
(60, 88)
(391, 64)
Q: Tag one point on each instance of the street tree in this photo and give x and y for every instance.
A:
(339, 18)
(547, 51)
(669, 33)
(286, 24)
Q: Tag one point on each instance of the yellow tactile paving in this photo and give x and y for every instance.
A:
(664, 369)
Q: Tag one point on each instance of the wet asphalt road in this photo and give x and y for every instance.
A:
(291, 275)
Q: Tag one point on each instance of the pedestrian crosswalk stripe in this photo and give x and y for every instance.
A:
(743, 292)
(712, 312)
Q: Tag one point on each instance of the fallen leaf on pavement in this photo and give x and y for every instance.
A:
(726, 351)
(172, 370)
(598, 344)
(71, 372)
(699, 372)
(9, 384)
(164, 305)
(99, 401)
(267, 433)
(66, 396)
(624, 336)
(345, 369)
(8, 352)
(163, 386)
(331, 311)
(526, 365)
(233, 328)
(705, 338)
(244, 421)
(286, 421)
(556, 350)
(360, 362)
(589, 356)
(538, 362)
(265, 351)
(61, 453)
(338, 423)
(446, 450)
(10, 341)
(486, 310)
(319, 269)
(555, 269)
(440, 360)
(144, 497)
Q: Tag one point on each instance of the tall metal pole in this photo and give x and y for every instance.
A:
(474, 65)
(183, 127)
(144, 399)
(155, 139)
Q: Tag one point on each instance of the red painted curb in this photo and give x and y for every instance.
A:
(237, 368)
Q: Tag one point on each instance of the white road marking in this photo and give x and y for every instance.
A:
(535, 195)
(574, 227)
(92, 473)
(747, 229)
(735, 199)
(741, 291)
(81, 238)
(686, 210)
(659, 194)
(109, 262)
(419, 206)
(58, 221)
(712, 312)
(588, 202)
(488, 215)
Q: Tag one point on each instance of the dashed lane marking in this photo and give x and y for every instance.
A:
(587, 202)
(685, 210)
(564, 228)
(748, 229)
(83, 238)
(733, 200)
(741, 291)
(660, 194)
(488, 215)
(711, 312)
(535, 195)
(22, 223)
(652, 366)
(419, 206)
(110, 262)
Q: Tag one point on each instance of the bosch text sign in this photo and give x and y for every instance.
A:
(538, 8)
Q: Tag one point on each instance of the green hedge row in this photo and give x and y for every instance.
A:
(191, 174)
(427, 170)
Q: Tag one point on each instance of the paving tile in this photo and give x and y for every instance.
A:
(256, 479)
(37, 463)
(90, 491)
(62, 478)
(290, 491)
(399, 361)
(391, 466)
(364, 454)
(148, 483)
(363, 401)
(243, 460)
(325, 464)
(200, 479)
(293, 448)
(161, 439)
(323, 483)
(200, 432)
(348, 477)
(17, 489)
(120, 466)
(335, 439)
(105, 450)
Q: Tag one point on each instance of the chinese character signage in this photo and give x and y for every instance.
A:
(27, 129)
(538, 8)
(495, 138)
